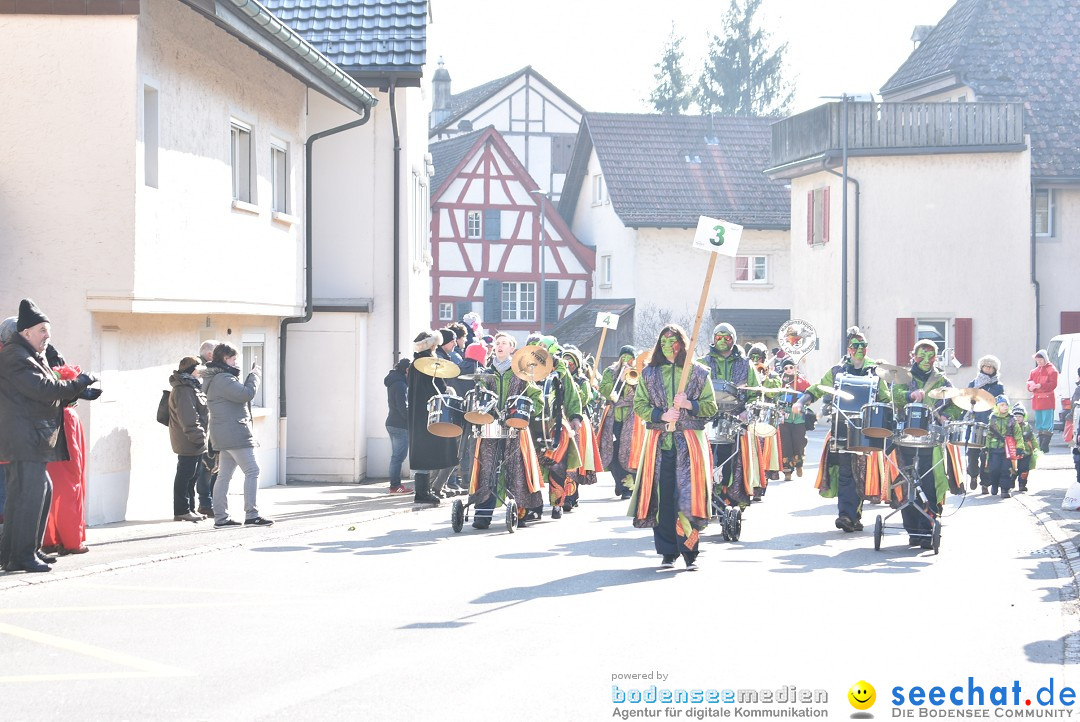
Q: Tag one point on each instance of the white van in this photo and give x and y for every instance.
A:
(1064, 353)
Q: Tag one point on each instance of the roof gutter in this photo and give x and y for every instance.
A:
(304, 51)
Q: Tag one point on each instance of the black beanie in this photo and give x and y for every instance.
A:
(628, 349)
(448, 335)
(29, 315)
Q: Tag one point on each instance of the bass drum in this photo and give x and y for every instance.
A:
(727, 396)
(763, 417)
(847, 434)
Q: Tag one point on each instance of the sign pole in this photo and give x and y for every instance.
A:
(689, 360)
(600, 348)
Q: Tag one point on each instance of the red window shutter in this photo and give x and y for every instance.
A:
(905, 339)
(810, 218)
(1070, 322)
(962, 352)
(825, 216)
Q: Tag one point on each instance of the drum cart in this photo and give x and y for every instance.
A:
(719, 431)
(459, 511)
(913, 496)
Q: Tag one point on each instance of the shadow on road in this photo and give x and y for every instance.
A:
(890, 560)
(394, 542)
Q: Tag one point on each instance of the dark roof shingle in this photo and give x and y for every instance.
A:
(360, 34)
(651, 182)
(446, 154)
(1013, 51)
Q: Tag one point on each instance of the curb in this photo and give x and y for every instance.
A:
(17, 580)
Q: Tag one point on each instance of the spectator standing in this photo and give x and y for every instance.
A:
(1041, 383)
(31, 399)
(229, 402)
(204, 484)
(188, 418)
(7, 330)
(397, 422)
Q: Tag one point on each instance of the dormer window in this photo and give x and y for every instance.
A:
(693, 158)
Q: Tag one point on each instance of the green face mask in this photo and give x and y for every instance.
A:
(924, 357)
(723, 341)
(625, 359)
(667, 345)
(857, 351)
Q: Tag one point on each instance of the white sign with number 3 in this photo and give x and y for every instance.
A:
(717, 236)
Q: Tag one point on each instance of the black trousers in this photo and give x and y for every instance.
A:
(187, 474)
(914, 522)
(26, 510)
(616, 467)
(665, 539)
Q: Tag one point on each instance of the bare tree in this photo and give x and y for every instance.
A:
(649, 319)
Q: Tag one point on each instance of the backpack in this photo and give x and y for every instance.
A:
(163, 408)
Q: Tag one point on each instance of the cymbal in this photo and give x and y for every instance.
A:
(943, 392)
(440, 368)
(839, 393)
(893, 374)
(532, 363)
(760, 389)
(478, 376)
(973, 399)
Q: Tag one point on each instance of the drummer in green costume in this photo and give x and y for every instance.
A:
(564, 402)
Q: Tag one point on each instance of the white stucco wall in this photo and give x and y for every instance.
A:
(599, 226)
(1057, 259)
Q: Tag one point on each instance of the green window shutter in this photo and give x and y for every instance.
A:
(492, 225)
(551, 302)
(461, 308)
(492, 303)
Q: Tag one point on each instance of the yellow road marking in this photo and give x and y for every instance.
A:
(139, 667)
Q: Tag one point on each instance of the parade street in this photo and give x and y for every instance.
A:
(398, 618)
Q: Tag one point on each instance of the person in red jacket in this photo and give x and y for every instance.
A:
(1041, 383)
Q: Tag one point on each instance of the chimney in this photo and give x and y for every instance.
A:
(440, 91)
(919, 34)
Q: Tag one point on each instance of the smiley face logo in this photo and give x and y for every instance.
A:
(862, 695)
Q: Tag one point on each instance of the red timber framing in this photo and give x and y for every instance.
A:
(492, 182)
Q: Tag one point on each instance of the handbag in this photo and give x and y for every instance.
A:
(163, 408)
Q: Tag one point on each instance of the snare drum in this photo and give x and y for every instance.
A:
(917, 419)
(934, 436)
(496, 430)
(518, 411)
(479, 405)
(966, 433)
(788, 397)
(763, 417)
(847, 417)
(446, 416)
(723, 430)
(877, 420)
(727, 396)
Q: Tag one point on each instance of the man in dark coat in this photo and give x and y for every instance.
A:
(431, 457)
(32, 399)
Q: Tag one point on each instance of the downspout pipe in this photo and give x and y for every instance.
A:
(397, 223)
(1034, 272)
(309, 298)
(855, 248)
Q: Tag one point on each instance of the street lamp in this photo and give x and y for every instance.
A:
(541, 196)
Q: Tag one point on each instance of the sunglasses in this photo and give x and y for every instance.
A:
(722, 337)
(858, 344)
(756, 357)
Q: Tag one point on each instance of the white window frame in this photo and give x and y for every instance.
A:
(446, 311)
(605, 271)
(946, 331)
(599, 189)
(474, 225)
(820, 210)
(1046, 229)
(242, 161)
(253, 348)
(515, 301)
(279, 176)
(753, 265)
(421, 230)
(151, 135)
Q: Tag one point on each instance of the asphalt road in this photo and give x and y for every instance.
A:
(399, 618)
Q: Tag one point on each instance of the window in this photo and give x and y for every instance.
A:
(421, 223)
(518, 302)
(446, 312)
(473, 224)
(279, 176)
(751, 269)
(242, 187)
(817, 216)
(492, 225)
(937, 330)
(605, 271)
(252, 353)
(1044, 213)
(151, 141)
(599, 189)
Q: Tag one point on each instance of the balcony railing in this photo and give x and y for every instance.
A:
(899, 127)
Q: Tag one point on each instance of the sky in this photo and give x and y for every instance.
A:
(602, 53)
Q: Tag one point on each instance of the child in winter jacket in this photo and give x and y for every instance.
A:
(1000, 469)
(1024, 438)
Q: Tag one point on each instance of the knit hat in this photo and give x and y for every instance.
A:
(1040, 352)
(989, 360)
(627, 350)
(426, 340)
(725, 328)
(854, 332)
(1002, 399)
(1018, 408)
(784, 363)
(187, 365)
(29, 315)
(574, 353)
(476, 352)
(8, 329)
(448, 335)
(758, 348)
(925, 342)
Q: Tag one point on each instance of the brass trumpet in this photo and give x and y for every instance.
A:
(630, 375)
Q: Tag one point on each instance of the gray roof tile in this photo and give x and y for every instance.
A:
(360, 34)
(1013, 51)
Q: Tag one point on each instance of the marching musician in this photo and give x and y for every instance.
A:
(765, 465)
(431, 457)
(842, 474)
(563, 405)
(671, 494)
(987, 380)
(588, 448)
(509, 464)
(933, 476)
(793, 427)
(726, 362)
(616, 438)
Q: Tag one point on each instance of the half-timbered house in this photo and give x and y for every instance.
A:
(498, 245)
